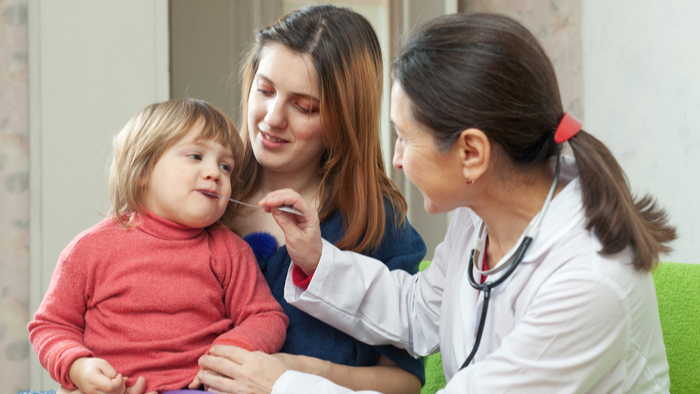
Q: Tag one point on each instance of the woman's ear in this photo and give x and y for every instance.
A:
(474, 148)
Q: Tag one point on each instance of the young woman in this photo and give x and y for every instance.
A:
(312, 87)
(563, 300)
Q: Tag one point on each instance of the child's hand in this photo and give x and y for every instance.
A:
(137, 388)
(96, 376)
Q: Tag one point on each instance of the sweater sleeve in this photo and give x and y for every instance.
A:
(259, 321)
(57, 331)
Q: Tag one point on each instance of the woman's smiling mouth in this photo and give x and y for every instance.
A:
(271, 138)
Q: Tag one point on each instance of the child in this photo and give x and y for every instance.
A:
(147, 291)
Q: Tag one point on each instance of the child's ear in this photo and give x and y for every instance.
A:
(143, 181)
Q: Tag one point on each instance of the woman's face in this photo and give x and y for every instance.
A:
(284, 123)
(436, 174)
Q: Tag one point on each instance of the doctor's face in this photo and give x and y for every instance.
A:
(435, 173)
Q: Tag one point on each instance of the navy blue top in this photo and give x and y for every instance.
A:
(400, 248)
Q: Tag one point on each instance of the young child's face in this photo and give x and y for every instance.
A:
(174, 188)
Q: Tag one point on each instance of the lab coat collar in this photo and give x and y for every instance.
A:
(564, 212)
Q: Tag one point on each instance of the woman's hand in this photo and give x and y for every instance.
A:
(302, 233)
(229, 369)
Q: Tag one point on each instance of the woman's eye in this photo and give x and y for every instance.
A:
(265, 92)
(195, 156)
(304, 109)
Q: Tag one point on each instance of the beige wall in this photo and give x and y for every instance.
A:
(557, 25)
(208, 41)
(642, 99)
(93, 65)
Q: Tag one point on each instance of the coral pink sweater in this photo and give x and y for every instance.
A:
(152, 299)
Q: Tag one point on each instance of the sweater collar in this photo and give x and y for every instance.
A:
(154, 225)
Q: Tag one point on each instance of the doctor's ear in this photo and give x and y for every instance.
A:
(474, 148)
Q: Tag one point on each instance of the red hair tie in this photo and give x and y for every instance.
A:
(568, 127)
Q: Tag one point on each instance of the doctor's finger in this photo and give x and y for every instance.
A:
(288, 197)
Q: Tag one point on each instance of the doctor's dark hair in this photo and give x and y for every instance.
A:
(348, 61)
(488, 72)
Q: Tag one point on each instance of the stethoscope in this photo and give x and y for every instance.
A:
(511, 264)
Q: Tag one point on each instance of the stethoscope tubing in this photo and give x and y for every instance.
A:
(487, 286)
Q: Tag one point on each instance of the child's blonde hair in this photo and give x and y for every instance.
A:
(154, 129)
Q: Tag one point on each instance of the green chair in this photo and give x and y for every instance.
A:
(678, 294)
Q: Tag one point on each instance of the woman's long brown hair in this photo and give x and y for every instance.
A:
(348, 61)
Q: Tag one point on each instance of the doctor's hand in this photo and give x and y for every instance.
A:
(229, 369)
(302, 233)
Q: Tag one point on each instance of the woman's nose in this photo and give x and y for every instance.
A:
(275, 116)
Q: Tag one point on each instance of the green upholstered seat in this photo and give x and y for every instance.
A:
(678, 294)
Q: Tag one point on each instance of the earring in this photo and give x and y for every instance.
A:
(469, 181)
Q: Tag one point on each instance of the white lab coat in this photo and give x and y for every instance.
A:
(568, 320)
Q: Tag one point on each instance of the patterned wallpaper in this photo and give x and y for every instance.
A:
(14, 198)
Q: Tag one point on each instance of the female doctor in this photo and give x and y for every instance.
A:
(542, 283)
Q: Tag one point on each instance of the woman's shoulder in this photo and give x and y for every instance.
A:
(401, 245)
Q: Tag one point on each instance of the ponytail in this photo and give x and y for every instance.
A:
(611, 210)
(489, 72)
